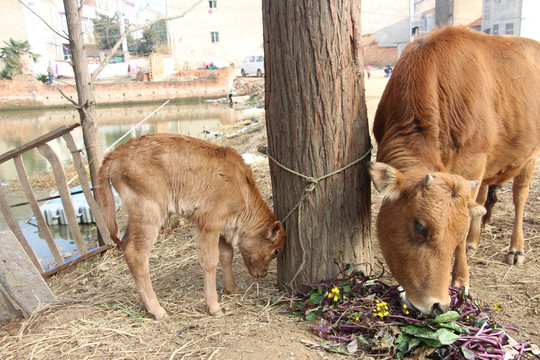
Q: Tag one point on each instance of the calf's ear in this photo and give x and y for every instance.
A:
(273, 231)
(476, 210)
(387, 179)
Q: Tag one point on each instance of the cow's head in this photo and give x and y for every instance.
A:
(420, 223)
(260, 249)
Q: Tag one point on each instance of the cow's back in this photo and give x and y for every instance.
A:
(458, 98)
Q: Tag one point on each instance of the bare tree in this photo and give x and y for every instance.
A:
(84, 80)
(318, 135)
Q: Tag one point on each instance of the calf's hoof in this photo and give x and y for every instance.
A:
(160, 314)
(515, 258)
(218, 313)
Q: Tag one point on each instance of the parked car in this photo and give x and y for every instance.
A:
(253, 64)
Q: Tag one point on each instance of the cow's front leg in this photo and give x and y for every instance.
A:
(460, 272)
(475, 227)
(209, 255)
(520, 191)
(226, 253)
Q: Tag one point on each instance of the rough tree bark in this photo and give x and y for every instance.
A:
(317, 123)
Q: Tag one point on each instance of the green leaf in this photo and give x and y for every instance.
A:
(362, 340)
(432, 338)
(446, 317)
(312, 315)
(454, 326)
(316, 298)
(467, 354)
(446, 337)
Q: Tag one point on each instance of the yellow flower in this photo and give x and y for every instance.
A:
(499, 306)
(357, 318)
(336, 298)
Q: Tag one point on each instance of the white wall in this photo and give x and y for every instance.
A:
(530, 21)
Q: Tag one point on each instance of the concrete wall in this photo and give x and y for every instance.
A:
(388, 19)
(238, 24)
(25, 91)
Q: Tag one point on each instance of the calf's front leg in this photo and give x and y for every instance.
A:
(209, 256)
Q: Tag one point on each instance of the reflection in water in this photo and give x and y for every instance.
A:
(20, 127)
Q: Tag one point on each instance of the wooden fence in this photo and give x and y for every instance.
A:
(63, 189)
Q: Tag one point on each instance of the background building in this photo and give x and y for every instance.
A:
(514, 17)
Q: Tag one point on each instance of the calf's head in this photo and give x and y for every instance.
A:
(421, 221)
(261, 248)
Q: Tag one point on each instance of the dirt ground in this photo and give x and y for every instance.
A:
(98, 314)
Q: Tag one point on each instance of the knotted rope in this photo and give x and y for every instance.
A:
(310, 187)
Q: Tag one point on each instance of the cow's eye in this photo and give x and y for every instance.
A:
(276, 252)
(420, 228)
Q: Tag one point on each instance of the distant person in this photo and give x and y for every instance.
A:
(50, 72)
(368, 71)
(387, 71)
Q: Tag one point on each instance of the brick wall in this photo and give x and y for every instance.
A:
(378, 56)
(24, 91)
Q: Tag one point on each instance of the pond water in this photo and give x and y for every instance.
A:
(20, 127)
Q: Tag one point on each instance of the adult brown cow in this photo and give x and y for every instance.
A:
(459, 106)
(210, 185)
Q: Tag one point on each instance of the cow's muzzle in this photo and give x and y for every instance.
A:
(435, 310)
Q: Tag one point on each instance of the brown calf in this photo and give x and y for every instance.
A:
(460, 105)
(210, 185)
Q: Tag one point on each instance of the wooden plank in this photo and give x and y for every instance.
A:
(21, 285)
(83, 180)
(42, 225)
(36, 142)
(65, 195)
(16, 230)
(76, 260)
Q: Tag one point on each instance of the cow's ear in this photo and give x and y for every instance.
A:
(273, 231)
(387, 179)
(476, 210)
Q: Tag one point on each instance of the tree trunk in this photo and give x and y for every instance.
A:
(317, 124)
(85, 91)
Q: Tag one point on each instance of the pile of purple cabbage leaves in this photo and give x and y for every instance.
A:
(360, 315)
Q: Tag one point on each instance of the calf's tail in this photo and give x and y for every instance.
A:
(107, 206)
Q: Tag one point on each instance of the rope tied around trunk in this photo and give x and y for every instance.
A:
(310, 187)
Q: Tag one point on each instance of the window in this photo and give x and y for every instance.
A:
(509, 29)
(215, 36)
(66, 50)
(212, 4)
(496, 29)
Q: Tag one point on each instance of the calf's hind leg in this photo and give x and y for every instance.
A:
(226, 253)
(138, 241)
(520, 191)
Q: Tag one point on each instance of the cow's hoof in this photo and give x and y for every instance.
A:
(472, 247)
(515, 258)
